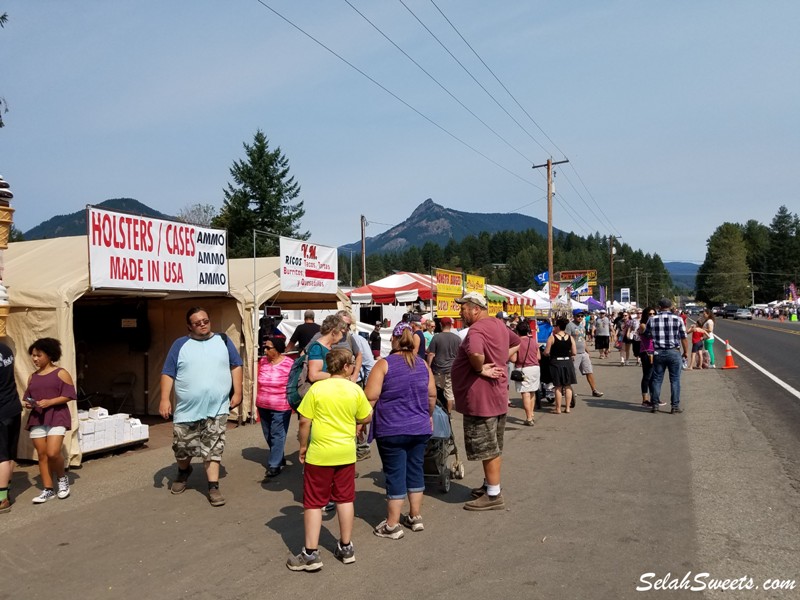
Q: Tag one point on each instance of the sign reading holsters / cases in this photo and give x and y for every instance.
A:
(142, 253)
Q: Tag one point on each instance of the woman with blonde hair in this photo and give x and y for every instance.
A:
(708, 342)
(402, 391)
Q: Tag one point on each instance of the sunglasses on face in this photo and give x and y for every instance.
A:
(200, 323)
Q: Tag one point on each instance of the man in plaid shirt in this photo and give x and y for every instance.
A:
(669, 338)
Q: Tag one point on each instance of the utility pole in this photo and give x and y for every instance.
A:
(637, 270)
(612, 250)
(549, 164)
(363, 250)
(647, 289)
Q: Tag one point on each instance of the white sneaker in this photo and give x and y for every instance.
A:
(63, 487)
(44, 496)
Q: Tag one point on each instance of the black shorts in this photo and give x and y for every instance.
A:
(9, 438)
(697, 346)
(601, 342)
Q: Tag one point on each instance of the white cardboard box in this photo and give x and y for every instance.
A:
(98, 412)
(86, 427)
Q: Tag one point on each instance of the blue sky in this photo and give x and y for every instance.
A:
(676, 116)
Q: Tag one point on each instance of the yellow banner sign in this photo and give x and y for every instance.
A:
(446, 306)
(449, 283)
(523, 311)
(495, 307)
(476, 283)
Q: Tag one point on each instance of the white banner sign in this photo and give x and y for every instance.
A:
(308, 267)
(625, 294)
(142, 253)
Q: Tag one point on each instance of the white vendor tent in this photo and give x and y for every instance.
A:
(106, 332)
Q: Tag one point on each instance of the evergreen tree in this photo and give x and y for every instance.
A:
(783, 257)
(725, 270)
(756, 240)
(263, 197)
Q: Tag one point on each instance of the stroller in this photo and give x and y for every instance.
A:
(546, 391)
(441, 446)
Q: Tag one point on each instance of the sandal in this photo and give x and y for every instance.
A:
(529, 422)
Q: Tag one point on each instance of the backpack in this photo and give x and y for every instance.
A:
(298, 383)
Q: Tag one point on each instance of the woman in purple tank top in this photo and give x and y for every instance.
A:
(49, 390)
(402, 392)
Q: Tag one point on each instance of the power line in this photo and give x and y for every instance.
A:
(467, 71)
(522, 108)
(395, 96)
(437, 82)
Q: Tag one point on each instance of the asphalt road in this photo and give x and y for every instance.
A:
(596, 500)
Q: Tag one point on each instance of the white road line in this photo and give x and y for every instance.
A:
(758, 367)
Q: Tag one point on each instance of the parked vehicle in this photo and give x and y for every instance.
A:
(743, 313)
(729, 312)
(717, 310)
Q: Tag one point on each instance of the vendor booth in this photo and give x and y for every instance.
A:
(112, 336)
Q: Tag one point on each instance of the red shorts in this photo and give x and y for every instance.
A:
(323, 484)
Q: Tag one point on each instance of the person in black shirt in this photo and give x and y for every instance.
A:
(304, 332)
(375, 340)
(10, 415)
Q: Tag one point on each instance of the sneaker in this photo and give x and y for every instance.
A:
(363, 453)
(272, 472)
(597, 394)
(486, 502)
(329, 508)
(346, 554)
(5, 506)
(572, 403)
(478, 491)
(675, 410)
(63, 487)
(179, 485)
(46, 495)
(215, 497)
(383, 530)
(305, 562)
(413, 523)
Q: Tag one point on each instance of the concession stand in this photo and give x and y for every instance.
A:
(117, 299)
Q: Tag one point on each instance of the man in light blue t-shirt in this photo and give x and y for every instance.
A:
(206, 371)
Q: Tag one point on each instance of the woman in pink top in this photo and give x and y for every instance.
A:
(526, 360)
(273, 409)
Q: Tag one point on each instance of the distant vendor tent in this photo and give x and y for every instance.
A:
(402, 288)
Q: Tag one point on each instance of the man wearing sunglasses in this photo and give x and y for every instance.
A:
(206, 371)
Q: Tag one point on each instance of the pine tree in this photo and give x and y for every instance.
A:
(263, 197)
(725, 273)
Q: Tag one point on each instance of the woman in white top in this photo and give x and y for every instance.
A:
(708, 343)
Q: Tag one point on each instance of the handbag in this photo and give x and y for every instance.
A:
(517, 374)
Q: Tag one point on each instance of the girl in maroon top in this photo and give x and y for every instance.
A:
(49, 390)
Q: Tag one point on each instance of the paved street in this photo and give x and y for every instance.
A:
(595, 499)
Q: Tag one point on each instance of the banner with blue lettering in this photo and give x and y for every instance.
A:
(141, 253)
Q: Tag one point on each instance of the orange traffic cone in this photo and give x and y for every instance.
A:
(729, 357)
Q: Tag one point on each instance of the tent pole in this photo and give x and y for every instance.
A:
(254, 375)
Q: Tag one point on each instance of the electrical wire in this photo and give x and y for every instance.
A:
(437, 82)
(467, 71)
(522, 108)
(395, 96)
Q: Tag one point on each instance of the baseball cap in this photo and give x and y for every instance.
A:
(502, 315)
(414, 318)
(379, 323)
(473, 297)
(446, 321)
(577, 311)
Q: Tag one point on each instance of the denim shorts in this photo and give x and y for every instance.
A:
(402, 457)
(42, 431)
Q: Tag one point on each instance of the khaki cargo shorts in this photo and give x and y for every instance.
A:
(483, 436)
(203, 439)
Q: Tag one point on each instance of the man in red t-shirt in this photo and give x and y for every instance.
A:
(480, 386)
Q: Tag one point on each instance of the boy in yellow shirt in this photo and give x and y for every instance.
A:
(328, 453)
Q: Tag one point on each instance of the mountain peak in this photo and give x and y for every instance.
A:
(431, 222)
(424, 210)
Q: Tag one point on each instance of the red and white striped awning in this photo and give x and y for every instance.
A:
(511, 297)
(400, 287)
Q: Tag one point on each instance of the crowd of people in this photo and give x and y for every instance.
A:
(354, 396)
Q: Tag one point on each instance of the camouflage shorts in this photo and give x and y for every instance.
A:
(204, 439)
(483, 436)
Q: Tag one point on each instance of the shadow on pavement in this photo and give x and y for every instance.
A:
(615, 404)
